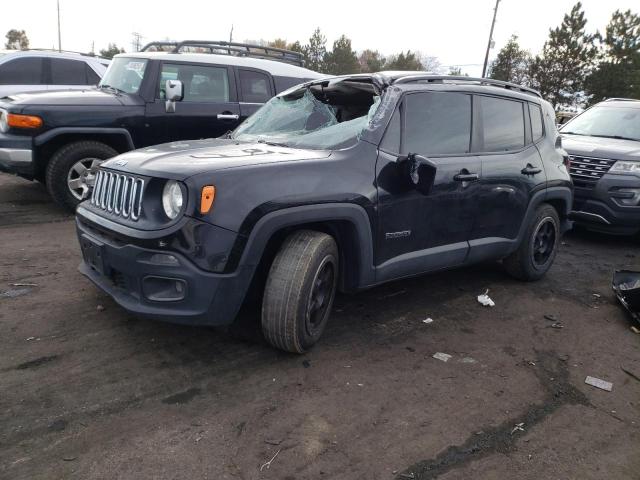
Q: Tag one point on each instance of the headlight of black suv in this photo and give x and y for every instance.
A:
(172, 199)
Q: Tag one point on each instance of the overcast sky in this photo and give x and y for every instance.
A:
(455, 31)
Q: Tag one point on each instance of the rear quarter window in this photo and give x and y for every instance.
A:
(537, 129)
(22, 71)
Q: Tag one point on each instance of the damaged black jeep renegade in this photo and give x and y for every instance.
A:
(339, 183)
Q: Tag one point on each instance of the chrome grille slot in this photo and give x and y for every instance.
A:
(119, 194)
(586, 171)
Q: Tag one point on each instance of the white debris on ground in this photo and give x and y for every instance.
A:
(598, 383)
(485, 300)
(442, 356)
(427, 320)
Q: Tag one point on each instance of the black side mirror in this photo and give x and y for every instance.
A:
(421, 171)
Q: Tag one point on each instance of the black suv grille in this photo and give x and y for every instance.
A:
(119, 194)
(586, 171)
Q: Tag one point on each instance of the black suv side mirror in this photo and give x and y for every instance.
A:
(421, 171)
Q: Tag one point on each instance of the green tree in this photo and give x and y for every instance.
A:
(618, 72)
(16, 40)
(315, 52)
(567, 58)
(371, 61)
(342, 59)
(512, 63)
(404, 61)
(278, 43)
(111, 50)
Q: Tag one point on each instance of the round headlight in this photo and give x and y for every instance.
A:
(4, 125)
(172, 199)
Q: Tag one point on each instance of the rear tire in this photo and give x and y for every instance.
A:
(299, 291)
(538, 248)
(74, 165)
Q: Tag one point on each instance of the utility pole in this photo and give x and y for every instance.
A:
(59, 37)
(231, 34)
(486, 56)
(135, 42)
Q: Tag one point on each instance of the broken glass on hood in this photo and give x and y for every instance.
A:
(301, 119)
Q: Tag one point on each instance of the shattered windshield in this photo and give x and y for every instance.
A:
(301, 119)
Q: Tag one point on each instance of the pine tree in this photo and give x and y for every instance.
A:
(406, 62)
(342, 59)
(512, 63)
(618, 73)
(316, 51)
(566, 59)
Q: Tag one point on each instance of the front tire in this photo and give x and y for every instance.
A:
(299, 291)
(71, 172)
(538, 248)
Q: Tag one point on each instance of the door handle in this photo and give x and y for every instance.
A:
(227, 116)
(530, 170)
(466, 177)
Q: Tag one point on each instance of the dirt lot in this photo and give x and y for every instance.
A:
(88, 392)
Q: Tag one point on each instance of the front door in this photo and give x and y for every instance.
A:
(209, 107)
(422, 231)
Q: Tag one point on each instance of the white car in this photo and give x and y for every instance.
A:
(37, 70)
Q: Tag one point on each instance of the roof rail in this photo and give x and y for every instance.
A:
(55, 50)
(616, 99)
(481, 81)
(229, 48)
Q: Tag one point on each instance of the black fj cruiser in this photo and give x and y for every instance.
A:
(345, 182)
(61, 137)
(603, 144)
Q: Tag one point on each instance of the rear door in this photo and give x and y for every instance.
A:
(420, 232)
(22, 74)
(209, 107)
(512, 169)
(256, 87)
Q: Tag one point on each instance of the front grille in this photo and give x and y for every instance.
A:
(118, 194)
(586, 171)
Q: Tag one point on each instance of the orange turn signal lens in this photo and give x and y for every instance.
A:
(15, 120)
(207, 198)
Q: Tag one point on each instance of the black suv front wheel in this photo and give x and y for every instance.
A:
(71, 172)
(539, 247)
(299, 291)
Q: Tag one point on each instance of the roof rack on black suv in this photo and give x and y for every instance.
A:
(342, 182)
(458, 79)
(229, 48)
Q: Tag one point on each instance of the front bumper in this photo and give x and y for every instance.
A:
(129, 274)
(602, 207)
(16, 155)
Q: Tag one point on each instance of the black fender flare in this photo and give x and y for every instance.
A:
(56, 132)
(562, 193)
(274, 221)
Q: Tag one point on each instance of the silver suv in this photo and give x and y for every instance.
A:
(37, 70)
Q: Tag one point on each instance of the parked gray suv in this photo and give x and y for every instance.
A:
(603, 144)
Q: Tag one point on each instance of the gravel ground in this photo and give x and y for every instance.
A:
(87, 391)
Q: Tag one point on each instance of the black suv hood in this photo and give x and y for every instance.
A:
(89, 97)
(180, 160)
(599, 147)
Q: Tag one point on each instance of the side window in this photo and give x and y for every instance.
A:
(391, 141)
(22, 71)
(68, 72)
(201, 83)
(92, 77)
(255, 86)
(503, 124)
(437, 123)
(536, 122)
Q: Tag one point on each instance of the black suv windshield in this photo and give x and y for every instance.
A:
(300, 119)
(607, 121)
(124, 74)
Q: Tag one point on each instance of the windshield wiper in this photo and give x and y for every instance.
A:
(273, 144)
(105, 86)
(572, 133)
(617, 137)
